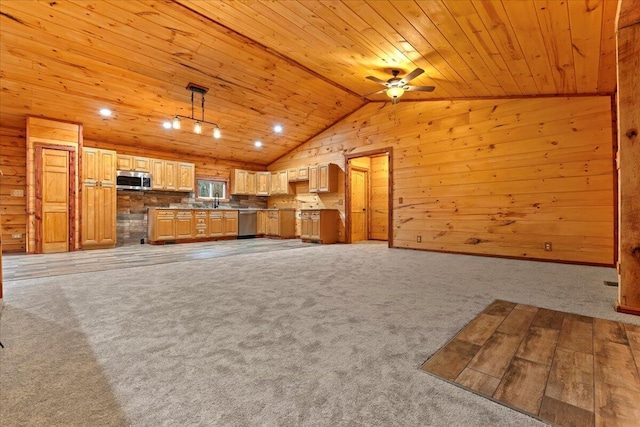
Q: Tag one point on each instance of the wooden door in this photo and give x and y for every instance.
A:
(184, 224)
(54, 201)
(164, 225)
(313, 179)
(157, 174)
(107, 231)
(231, 223)
(171, 175)
(323, 178)
(305, 225)
(216, 227)
(251, 183)
(186, 177)
(262, 183)
(358, 187)
(315, 225)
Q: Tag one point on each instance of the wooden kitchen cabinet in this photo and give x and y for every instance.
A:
(186, 177)
(281, 223)
(201, 224)
(98, 223)
(239, 181)
(133, 163)
(263, 180)
(319, 225)
(230, 223)
(323, 178)
(303, 174)
(223, 223)
(251, 183)
(298, 174)
(164, 175)
(279, 183)
(184, 224)
(161, 225)
(261, 226)
(176, 225)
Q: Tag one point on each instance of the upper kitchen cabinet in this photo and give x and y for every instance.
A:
(263, 179)
(186, 176)
(279, 183)
(168, 175)
(133, 163)
(323, 178)
(298, 174)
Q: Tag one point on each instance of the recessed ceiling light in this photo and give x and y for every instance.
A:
(258, 144)
(277, 128)
(105, 112)
(166, 125)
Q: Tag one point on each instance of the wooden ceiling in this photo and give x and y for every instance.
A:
(301, 64)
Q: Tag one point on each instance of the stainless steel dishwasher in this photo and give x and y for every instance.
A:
(247, 223)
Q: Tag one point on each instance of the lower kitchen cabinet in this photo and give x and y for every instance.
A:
(319, 225)
(261, 226)
(175, 225)
(281, 223)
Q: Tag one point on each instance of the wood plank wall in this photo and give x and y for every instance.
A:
(13, 162)
(52, 132)
(497, 177)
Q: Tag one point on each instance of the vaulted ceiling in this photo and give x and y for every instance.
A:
(301, 64)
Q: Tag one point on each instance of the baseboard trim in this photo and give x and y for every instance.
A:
(627, 310)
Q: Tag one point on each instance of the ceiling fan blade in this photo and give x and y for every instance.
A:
(377, 80)
(420, 88)
(374, 93)
(412, 75)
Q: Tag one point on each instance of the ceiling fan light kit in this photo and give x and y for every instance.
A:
(197, 127)
(396, 87)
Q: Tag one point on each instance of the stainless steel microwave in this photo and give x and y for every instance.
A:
(128, 180)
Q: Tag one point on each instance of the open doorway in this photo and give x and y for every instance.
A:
(368, 197)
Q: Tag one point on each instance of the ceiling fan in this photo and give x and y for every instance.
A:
(396, 87)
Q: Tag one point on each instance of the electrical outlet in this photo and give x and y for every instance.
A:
(548, 246)
(419, 239)
(340, 202)
(16, 236)
(17, 193)
(400, 200)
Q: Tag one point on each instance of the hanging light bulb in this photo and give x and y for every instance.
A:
(216, 132)
(197, 128)
(176, 123)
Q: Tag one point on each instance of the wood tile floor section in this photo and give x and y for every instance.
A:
(562, 368)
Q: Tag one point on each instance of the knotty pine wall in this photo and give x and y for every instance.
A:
(13, 163)
(497, 177)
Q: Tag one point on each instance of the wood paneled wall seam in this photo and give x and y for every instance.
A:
(628, 155)
(495, 177)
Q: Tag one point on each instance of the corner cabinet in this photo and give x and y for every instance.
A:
(323, 178)
(98, 224)
(319, 225)
(281, 223)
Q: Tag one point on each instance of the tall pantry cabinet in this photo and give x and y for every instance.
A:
(98, 198)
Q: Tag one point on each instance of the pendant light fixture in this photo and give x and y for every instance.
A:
(197, 126)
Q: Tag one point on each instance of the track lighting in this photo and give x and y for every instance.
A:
(197, 127)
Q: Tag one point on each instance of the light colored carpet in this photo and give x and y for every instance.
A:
(322, 335)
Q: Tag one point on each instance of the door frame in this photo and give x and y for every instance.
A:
(39, 146)
(347, 217)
